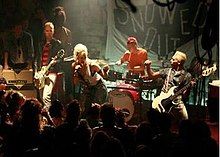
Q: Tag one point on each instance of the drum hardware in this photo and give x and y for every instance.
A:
(148, 94)
(114, 75)
(131, 95)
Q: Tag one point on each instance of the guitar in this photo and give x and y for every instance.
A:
(166, 101)
(39, 77)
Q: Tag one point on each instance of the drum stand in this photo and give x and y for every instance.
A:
(140, 102)
(145, 104)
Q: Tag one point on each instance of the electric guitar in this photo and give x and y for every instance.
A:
(166, 101)
(39, 77)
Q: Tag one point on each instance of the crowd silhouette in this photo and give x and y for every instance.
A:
(27, 129)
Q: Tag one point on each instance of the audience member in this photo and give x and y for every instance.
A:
(57, 112)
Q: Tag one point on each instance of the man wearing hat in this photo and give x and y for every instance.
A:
(177, 77)
(135, 57)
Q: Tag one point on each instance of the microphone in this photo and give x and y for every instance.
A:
(77, 68)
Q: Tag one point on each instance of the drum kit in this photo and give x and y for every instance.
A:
(127, 90)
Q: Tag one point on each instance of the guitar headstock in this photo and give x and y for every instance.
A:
(210, 70)
(60, 54)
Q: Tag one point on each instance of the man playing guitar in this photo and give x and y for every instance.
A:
(47, 64)
(174, 76)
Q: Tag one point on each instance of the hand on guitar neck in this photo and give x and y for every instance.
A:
(39, 77)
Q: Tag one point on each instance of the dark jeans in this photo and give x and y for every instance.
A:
(93, 94)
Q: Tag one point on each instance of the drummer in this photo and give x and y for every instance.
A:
(135, 58)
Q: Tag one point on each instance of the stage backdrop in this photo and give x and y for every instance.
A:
(157, 29)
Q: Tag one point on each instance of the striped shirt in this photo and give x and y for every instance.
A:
(45, 54)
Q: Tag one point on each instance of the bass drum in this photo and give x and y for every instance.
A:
(122, 100)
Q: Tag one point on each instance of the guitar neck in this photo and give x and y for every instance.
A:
(180, 91)
(206, 72)
(47, 67)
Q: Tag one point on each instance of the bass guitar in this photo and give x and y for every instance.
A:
(39, 77)
(166, 101)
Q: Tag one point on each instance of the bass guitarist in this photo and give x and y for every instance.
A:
(174, 76)
(47, 50)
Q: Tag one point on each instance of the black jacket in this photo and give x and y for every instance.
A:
(55, 47)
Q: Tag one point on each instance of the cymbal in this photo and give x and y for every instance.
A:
(101, 61)
(112, 63)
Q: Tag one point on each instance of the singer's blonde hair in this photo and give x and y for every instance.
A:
(80, 50)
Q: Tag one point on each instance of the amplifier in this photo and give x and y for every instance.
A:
(27, 90)
(22, 82)
(20, 79)
(23, 77)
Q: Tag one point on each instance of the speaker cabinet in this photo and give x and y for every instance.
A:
(18, 78)
(21, 81)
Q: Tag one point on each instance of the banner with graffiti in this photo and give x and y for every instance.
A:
(157, 29)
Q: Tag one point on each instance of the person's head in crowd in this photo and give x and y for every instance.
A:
(93, 111)
(120, 117)
(15, 100)
(165, 122)
(143, 150)
(185, 129)
(59, 16)
(3, 113)
(113, 147)
(31, 115)
(73, 112)
(144, 134)
(56, 109)
(98, 142)
(92, 115)
(107, 114)
(200, 130)
(2, 95)
(84, 132)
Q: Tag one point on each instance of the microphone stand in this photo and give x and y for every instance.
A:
(140, 102)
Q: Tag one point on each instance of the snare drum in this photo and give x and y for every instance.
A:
(130, 90)
(123, 101)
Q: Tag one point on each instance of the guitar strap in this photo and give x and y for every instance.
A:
(167, 80)
(182, 77)
(45, 54)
